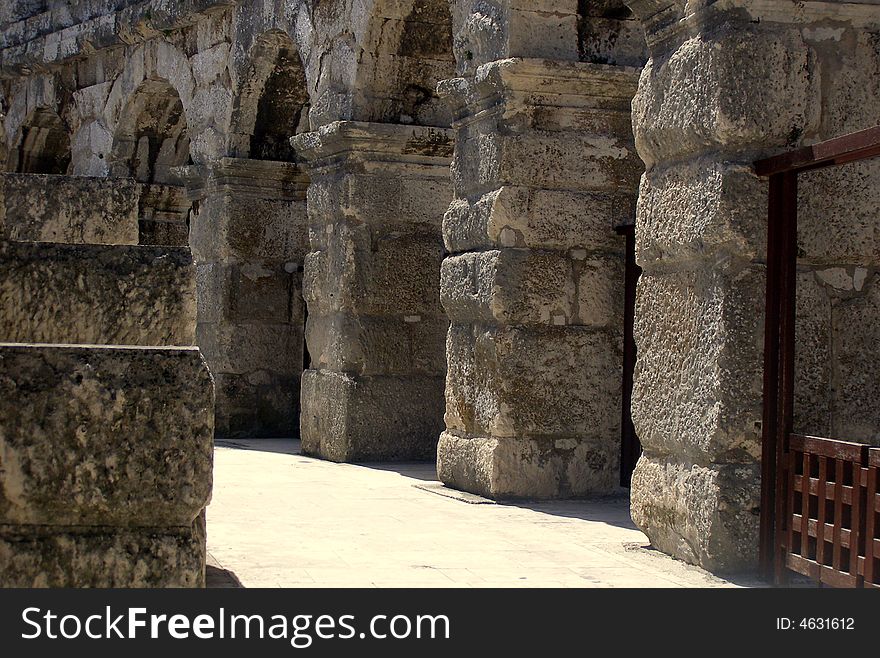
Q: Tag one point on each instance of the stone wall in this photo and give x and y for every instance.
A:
(374, 388)
(249, 240)
(705, 110)
(68, 209)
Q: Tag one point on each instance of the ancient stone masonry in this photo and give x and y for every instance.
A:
(374, 389)
(544, 172)
(248, 234)
(707, 106)
(389, 199)
(105, 433)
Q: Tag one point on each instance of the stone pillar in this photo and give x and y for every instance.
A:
(726, 83)
(544, 170)
(374, 390)
(248, 236)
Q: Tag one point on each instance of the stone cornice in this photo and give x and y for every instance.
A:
(375, 141)
(37, 42)
(253, 178)
(668, 22)
(537, 82)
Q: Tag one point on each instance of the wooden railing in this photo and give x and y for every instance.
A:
(832, 533)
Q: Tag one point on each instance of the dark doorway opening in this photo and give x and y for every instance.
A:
(630, 446)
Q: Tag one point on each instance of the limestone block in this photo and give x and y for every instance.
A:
(712, 93)
(95, 294)
(837, 214)
(600, 290)
(551, 219)
(512, 286)
(370, 345)
(353, 419)
(104, 436)
(249, 292)
(103, 557)
(68, 209)
(153, 232)
(241, 348)
(698, 380)
(415, 196)
(705, 515)
(849, 59)
(510, 381)
(527, 467)
(375, 272)
(545, 159)
(701, 208)
(233, 226)
(542, 34)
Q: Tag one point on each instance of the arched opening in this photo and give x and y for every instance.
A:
(43, 146)
(274, 103)
(150, 141)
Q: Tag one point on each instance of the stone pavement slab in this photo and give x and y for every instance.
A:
(279, 519)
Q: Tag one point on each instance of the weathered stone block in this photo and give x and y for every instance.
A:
(813, 363)
(549, 160)
(68, 209)
(698, 380)
(234, 226)
(167, 233)
(41, 556)
(837, 215)
(549, 219)
(96, 295)
(250, 292)
(370, 345)
(510, 381)
(711, 93)
(259, 404)
(701, 208)
(239, 348)
(374, 273)
(104, 436)
(705, 515)
(856, 327)
(600, 291)
(352, 418)
(513, 286)
(538, 467)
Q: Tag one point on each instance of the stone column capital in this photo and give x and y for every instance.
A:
(541, 82)
(249, 177)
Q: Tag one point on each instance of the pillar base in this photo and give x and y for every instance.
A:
(527, 467)
(49, 556)
(350, 418)
(704, 515)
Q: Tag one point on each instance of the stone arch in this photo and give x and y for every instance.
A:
(151, 135)
(406, 49)
(150, 141)
(42, 145)
(273, 104)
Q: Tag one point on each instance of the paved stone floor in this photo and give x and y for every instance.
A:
(279, 519)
